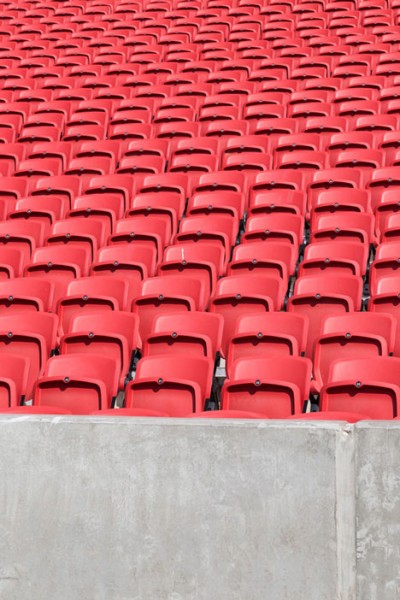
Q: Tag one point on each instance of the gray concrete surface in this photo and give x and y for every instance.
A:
(123, 509)
(378, 510)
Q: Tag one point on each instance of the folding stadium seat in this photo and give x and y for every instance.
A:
(12, 261)
(304, 160)
(130, 262)
(248, 163)
(264, 111)
(276, 386)
(220, 181)
(331, 258)
(361, 159)
(91, 294)
(267, 335)
(45, 209)
(11, 125)
(39, 133)
(176, 183)
(10, 156)
(205, 228)
(120, 184)
(80, 231)
(332, 202)
(172, 386)
(321, 296)
(189, 333)
(282, 201)
(142, 230)
(378, 124)
(168, 295)
(114, 334)
(14, 373)
(60, 264)
(152, 147)
(274, 128)
(25, 294)
(223, 128)
(34, 169)
(389, 228)
(32, 335)
(178, 130)
(387, 206)
(385, 265)
(246, 144)
(66, 186)
(296, 142)
(24, 235)
(242, 295)
(195, 163)
(168, 206)
(263, 259)
(107, 208)
(349, 336)
(344, 226)
(226, 414)
(369, 386)
(275, 226)
(328, 179)
(80, 383)
(140, 166)
(230, 203)
(62, 151)
(278, 180)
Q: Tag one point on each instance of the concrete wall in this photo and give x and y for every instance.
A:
(123, 509)
(378, 511)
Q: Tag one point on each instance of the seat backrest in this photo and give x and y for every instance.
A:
(204, 323)
(196, 369)
(112, 322)
(279, 323)
(296, 370)
(26, 293)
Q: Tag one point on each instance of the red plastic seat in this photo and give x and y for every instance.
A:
(274, 227)
(26, 294)
(267, 335)
(332, 259)
(14, 373)
(144, 231)
(344, 227)
(80, 383)
(112, 333)
(162, 295)
(23, 235)
(386, 264)
(242, 295)
(32, 335)
(318, 297)
(189, 333)
(276, 386)
(367, 386)
(130, 262)
(12, 262)
(60, 264)
(91, 294)
(349, 336)
(177, 387)
(261, 258)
